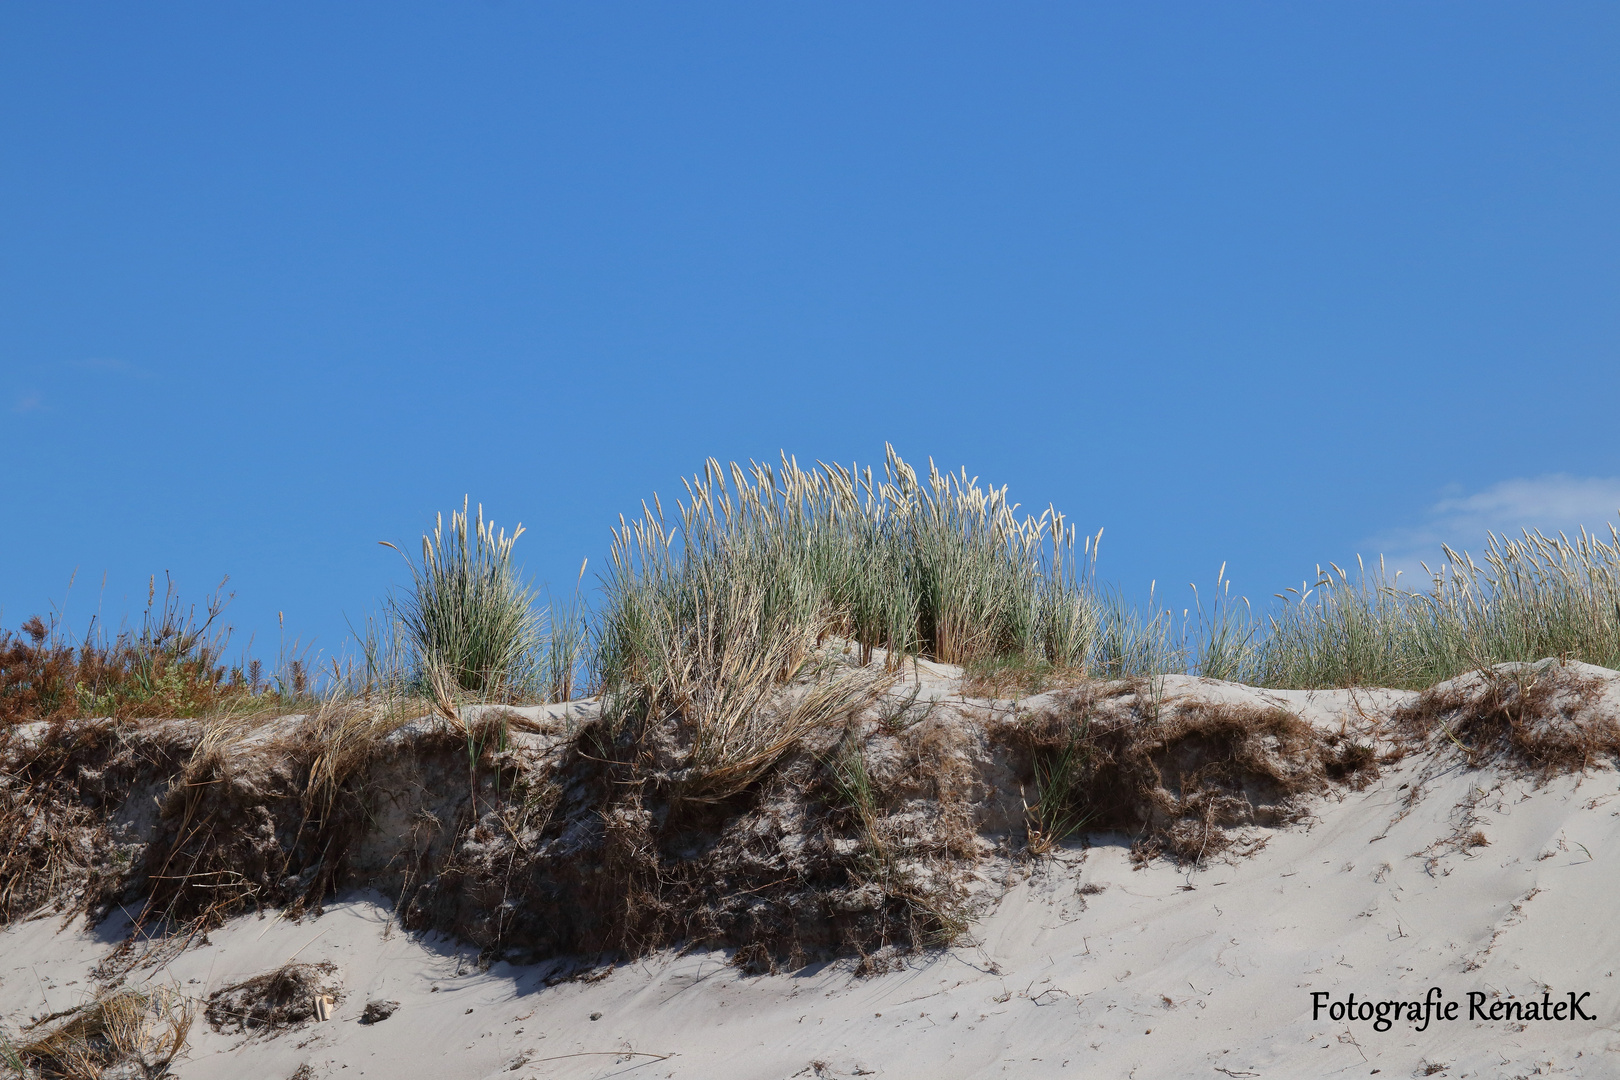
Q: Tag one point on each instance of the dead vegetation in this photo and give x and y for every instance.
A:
(865, 835)
(260, 815)
(1175, 776)
(855, 841)
(183, 823)
(273, 1002)
(594, 844)
(1543, 719)
(1002, 677)
(121, 1033)
(61, 845)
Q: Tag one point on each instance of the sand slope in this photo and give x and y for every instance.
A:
(1086, 966)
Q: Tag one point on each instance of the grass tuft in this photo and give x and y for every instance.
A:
(765, 574)
(468, 620)
(123, 1031)
(1060, 772)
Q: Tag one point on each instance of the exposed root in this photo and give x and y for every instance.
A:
(62, 847)
(1177, 775)
(864, 838)
(1543, 719)
(837, 850)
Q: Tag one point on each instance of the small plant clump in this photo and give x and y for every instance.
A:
(172, 666)
(118, 1032)
(274, 1001)
(468, 619)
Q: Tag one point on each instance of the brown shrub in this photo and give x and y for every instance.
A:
(168, 667)
(37, 677)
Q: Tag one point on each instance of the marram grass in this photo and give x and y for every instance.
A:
(764, 576)
(1525, 599)
(469, 620)
(789, 557)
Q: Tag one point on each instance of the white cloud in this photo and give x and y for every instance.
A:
(28, 403)
(1552, 504)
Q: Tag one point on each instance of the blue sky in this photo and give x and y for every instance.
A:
(1259, 284)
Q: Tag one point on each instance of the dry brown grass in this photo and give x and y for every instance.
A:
(340, 740)
(57, 850)
(264, 811)
(857, 835)
(144, 1030)
(1174, 775)
(569, 849)
(729, 756)
(727, 696)
(1017, 676)
(858, 844)
(251, 811)
(1540, 718)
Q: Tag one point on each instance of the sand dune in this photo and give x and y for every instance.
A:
(1439, 877)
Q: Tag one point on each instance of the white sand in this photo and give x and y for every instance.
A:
(1147, 978)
